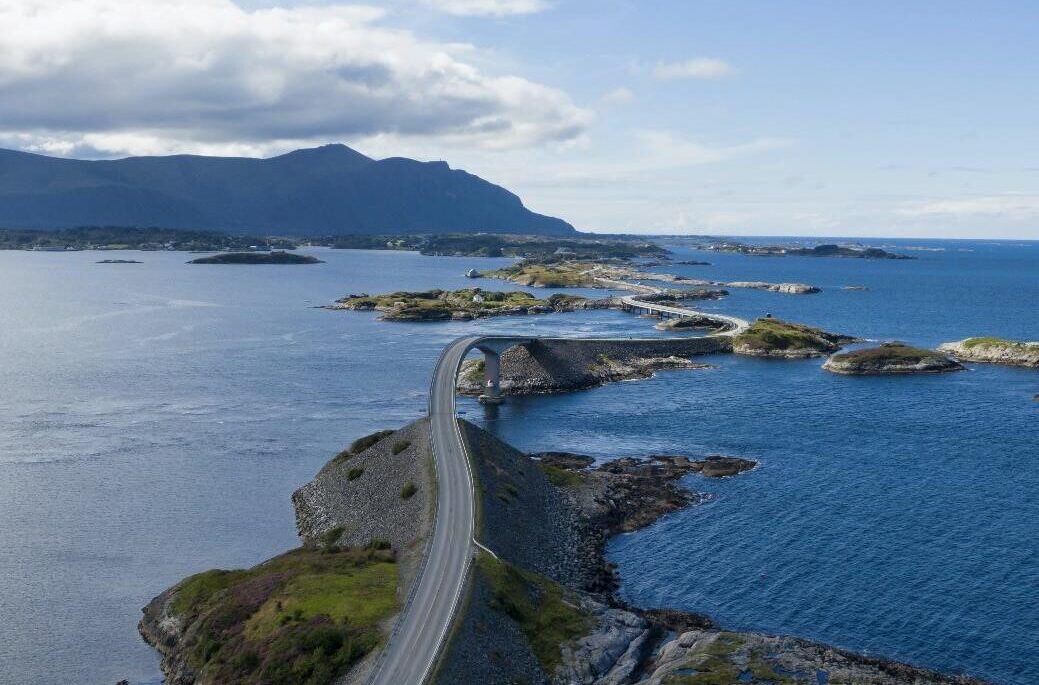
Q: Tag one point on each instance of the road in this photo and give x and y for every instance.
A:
(426, 618)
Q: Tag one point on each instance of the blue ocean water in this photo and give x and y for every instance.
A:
(155, 418)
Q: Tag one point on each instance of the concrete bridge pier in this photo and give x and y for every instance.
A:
(492, 350)
(492, 377)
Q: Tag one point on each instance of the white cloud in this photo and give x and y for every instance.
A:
(618, 96)
(697, 68)
(668, 150)
(492, 8)
(121, 76)
(1013, 206)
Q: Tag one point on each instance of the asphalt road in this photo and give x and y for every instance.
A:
(426, 618)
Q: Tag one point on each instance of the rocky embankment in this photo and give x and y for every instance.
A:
(994, 351)
(890, 359)
(545, 366)
(768, 337)
(543, 609)
(317, 614)
(540, 610)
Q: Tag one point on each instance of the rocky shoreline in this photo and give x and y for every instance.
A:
(559, 365)
(890, 359)
(994, 351)
(548, 518)
(769, 337)
(465, 304)
(610, 642)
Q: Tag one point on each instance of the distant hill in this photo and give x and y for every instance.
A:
(330, 190)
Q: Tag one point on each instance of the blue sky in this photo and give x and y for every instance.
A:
(807, 118)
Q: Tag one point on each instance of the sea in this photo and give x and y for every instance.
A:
(156, 417)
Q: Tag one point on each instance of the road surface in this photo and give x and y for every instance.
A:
(425, 620)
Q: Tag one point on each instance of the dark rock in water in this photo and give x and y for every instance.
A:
(564, 460)
(276, 257)
(119, 261)
(718, 466)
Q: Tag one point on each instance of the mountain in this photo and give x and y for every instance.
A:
(330, 190)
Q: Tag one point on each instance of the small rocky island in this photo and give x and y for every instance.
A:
(994, 351)
(467, 303)
(824, 250)
(274, 257)
(581, 274)
(890, 359)
(119, 261)
(769, 337)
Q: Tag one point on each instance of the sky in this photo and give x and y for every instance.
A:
(895, 119)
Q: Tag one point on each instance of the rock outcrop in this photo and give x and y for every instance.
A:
(994, 351)
(545, 366)
(789, 288)
(364, 521)
(890, 359)
(768, 337)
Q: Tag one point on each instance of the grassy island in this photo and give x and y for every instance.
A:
(491, 245)
(303, 617)
(995, 351)
(890, 358)
(275, 257)
(768, 337)
(467, 303)
(546, 274)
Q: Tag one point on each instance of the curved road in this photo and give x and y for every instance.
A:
(426, 619)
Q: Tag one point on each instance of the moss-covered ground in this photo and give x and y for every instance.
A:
(767, 334)
(888, 352)
(545, 613)
(553, 275)
(303, 617)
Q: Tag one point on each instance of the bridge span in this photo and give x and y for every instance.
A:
(423, 627)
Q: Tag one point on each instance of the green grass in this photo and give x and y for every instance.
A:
(330, 538)
(303, 617)
(558, 275)
(197, 589)
(775, 334)
(993, 342)
(401, 446)
(888, 351)
(408, 491)
(361, 596)
(563, 478)
(436, 305)
(541, 608)
(354, 473)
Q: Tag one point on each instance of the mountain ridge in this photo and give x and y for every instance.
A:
(329, 190)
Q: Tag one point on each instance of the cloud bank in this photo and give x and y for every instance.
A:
(118, 76)
(492, 8)
(698, 68)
